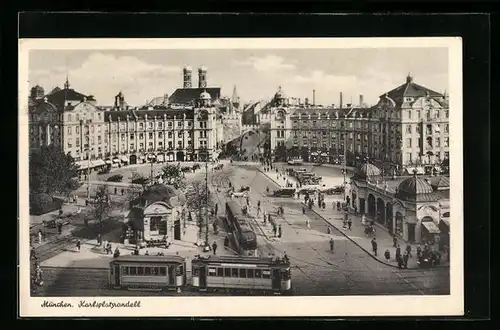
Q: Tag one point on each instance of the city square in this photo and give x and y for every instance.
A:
(344, 198)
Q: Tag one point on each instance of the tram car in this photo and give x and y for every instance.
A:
(244, 238)
(241, 274)
(140, 272)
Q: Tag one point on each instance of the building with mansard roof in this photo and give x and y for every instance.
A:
(406, 130)
(98, 137)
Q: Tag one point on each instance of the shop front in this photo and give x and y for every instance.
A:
(430, 233)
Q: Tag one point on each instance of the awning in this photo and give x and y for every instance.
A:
(83, 164)
(141, 157)
(151, 156)
(324, 154)
(161, 157)
(420, 170)
(431, 227)
(314, 153)
(446, 222)
(410, 170)
(108, 161)
(98, 162)
(124, 159)
(437, 168)
(116, 160)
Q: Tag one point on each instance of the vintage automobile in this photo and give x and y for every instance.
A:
(284, 192)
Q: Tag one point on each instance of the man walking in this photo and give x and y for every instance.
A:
(374, 246)
(332, 243)
(398, 252)
(214, 247)
(349, 224)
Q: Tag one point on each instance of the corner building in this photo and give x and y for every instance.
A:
(406, 130)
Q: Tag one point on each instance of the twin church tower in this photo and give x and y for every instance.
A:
(202, 77)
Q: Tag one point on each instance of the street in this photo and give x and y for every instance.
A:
(348, 270)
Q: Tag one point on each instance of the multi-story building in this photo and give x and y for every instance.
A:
(73, 122)
(407, 128)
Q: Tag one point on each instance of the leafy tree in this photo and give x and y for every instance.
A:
(198, 200)
(102, 204)
(52, 172)
(173, 175)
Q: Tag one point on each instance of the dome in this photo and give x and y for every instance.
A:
(415, 189)
(205, 96)
(368, 171)
(279, 94)
(162, 193)
(188, 68)
(202, 68)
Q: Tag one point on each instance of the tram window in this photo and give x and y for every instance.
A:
(234, 272)
(163, 271)
(243, 273)
(258, 273)
(133, 270)
(227, 272)
(196, 271)
(147, 270)
(250, 273)
(286, 274)
(266, 274)
(140, 271)
(211, 271)
(125, 270)
(181, 270)
(156, 271)
(220, 272)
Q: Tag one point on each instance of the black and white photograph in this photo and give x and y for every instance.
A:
(271, 170)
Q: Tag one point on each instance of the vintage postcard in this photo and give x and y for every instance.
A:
(241, 177)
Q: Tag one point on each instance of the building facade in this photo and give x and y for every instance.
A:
(407, 128)
(73, 122)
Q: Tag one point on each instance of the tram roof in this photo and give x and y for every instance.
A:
(240, 260)
(152, 259)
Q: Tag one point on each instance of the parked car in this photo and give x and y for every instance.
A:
(285, 192)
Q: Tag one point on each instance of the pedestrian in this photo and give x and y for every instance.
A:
(398, 252)
(363, 219)
(78, 245)
(59, 228)
(324, 205)
(214, 247)
(374, 246)
(394, 241)
(147, 253)
(332, 244)
(405, 259)
(308, 224)
(279, 231)
(408, 250)
(349, 223)
(387, 255)
(400, 262)
(226, 242)
(99, 242)
(419, 252)
(105, 245)
(258, 211)
(40, 236)
(117, 253)
(274, 230)
(116, 191)
(303, 210)
(328, 230)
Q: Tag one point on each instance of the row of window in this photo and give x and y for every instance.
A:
(151, 271)
(382, 128)
(429, 114)
(239, 272)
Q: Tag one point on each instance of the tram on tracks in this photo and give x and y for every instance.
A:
(244, 274)
(141, 272)
(238, 225)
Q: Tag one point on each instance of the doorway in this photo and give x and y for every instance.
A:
(276, 279)
(411, 232)
(203, 277)
(117, 275)
(177, 229)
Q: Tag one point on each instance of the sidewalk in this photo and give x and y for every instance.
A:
(356, 234)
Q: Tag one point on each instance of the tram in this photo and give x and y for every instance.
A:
(244, 274)
(139, 272)
(244, 238)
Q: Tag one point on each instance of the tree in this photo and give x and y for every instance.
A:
(198, 200)
(173, 175)
(52, 172)
(101, 204)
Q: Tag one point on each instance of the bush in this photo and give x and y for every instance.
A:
(43, 203)
(115, 178)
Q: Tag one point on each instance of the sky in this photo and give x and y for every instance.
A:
(142, 75)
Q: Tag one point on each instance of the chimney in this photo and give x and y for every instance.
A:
(202, 77)
(340, 103)
(187, 76)
(306, 102)
(361, 100)
(314, 97)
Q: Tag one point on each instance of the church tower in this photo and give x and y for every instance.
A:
(235, 99)
(202, 77)
(187, 74)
